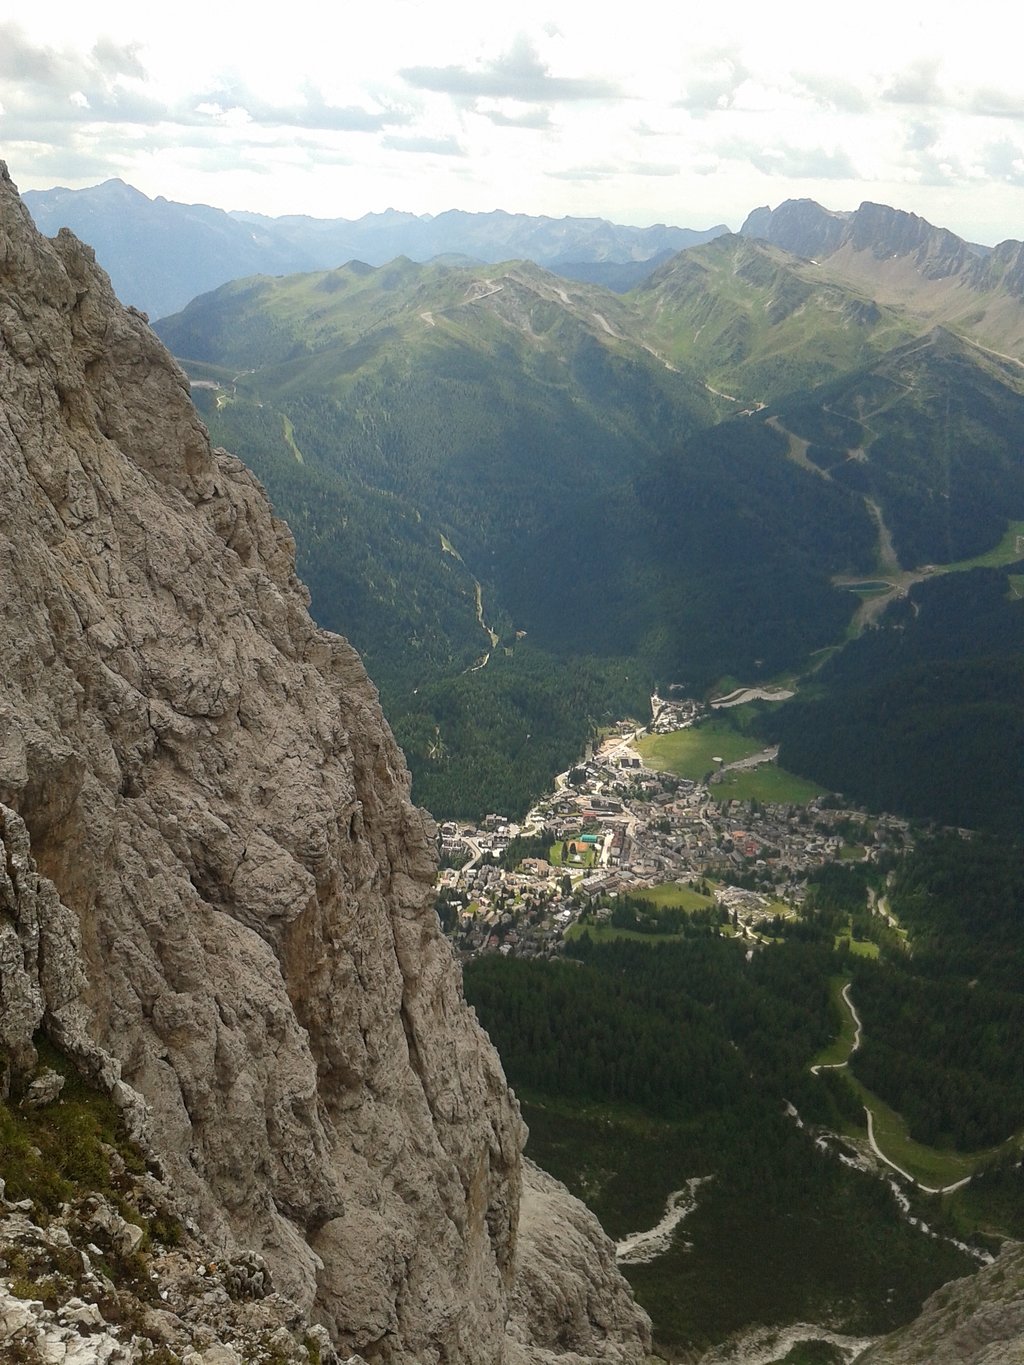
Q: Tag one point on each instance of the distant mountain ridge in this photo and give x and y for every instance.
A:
(906, 262)
(609, 472)
(160, 254)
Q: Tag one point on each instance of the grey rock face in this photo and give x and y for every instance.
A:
(975, 1321)
(221, 890)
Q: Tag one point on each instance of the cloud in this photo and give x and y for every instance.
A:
(314, 113)
(916, 84)
(118, 59)
(921, 136)
(721, 74)
(21, 59)
(518, 74)
(997, 103)
(538, 119)
(651, 168)
(797, 163)
(832, 92)
(1004, 160)
(45, 87)
(584, 173)
(434, 146)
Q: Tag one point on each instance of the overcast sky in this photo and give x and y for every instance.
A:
(691, 115)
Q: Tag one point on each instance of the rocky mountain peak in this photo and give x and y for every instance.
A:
(218, 893)
(806, 229)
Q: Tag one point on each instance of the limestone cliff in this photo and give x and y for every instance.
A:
(975, 1321)
(231, 887)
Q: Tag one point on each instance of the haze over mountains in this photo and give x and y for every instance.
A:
(159, 254)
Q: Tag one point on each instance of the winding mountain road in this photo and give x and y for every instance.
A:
(872, 1141)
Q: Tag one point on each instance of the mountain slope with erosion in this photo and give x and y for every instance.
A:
(234, 931)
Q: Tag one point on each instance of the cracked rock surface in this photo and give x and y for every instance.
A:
(217, 892)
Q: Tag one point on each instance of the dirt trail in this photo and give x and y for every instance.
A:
(855, 1046)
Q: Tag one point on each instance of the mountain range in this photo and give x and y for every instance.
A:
(905, 262)
(160, 254)
(674, 485)
(215, 891)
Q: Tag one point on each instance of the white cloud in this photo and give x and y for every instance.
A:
(719, 109)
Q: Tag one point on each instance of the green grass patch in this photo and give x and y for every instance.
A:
(56, 1152)
(671, 893)
(1008, 551)
(691, 752)
(768, 783)
(607, 933)
(992, 1204)
(586, 855)
(289, 436)
(852, 853)
(860, 947)
(1016, 586)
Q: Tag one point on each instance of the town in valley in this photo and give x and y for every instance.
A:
(617, 831)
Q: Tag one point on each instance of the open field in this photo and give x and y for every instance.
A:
(930, 1165)
(1008, 551)
(689, 753)
(606, 933)
(586, 854)
(766, 783)
(860, 947)
(670, 893)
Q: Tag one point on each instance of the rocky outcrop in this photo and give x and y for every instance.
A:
(903, 261)
(975, 1321)
(805, 228)
(569, 1305)
(231, 888)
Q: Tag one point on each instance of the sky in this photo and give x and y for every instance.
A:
(692, 115)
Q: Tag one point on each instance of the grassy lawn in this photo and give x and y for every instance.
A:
(289, 437)
(605, 933)
(585, 858)
(670, 893)
(860, 947)
(767, 783)
(932, 1166)
(689, 753)
(1006, 552)
(1016, 586)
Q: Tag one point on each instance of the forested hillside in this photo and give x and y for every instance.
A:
(529, 501)
(644, 1066)
(522, 517)
(924, 714)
